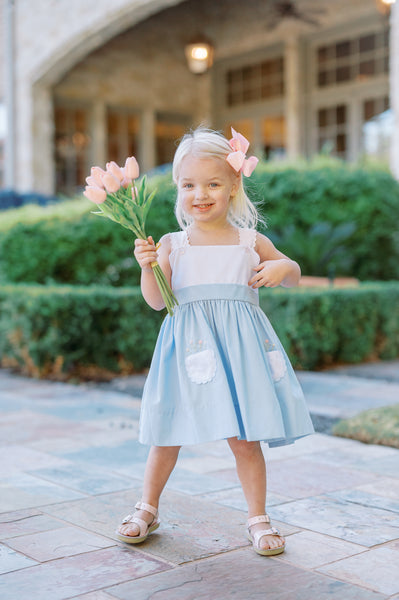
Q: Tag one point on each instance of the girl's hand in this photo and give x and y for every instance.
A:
(270, 273)
(145, 253)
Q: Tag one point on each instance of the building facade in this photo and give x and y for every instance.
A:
(86, 82)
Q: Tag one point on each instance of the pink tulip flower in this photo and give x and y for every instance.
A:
(97, 173)
(126, 181)
(110, 182)
(131, 168)
(95, 194)
(93, 182)
(115, 169)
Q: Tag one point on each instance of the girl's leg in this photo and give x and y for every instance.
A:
(251, 470)
(160, 463)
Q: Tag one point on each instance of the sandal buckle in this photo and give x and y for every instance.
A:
(127, 519)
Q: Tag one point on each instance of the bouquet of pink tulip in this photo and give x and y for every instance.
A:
(118, 199)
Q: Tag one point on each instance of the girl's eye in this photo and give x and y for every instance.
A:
(214, 185)
(187, 186)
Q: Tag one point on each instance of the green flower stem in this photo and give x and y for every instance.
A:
(168, 296)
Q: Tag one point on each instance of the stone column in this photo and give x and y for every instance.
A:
(293, 99)
(9, 89)
(147, 157)
(42, 139)
(99, 134)
(394, 87)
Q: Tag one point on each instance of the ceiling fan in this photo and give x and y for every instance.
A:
(288, 9)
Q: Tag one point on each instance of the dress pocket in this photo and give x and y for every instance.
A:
(277, 364)
(201, 366)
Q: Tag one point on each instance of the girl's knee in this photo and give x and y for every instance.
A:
(166, 450)
(242, 447)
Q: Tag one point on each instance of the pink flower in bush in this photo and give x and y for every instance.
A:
(97, 173)
(131, 168)
(110, 182)
(115, 169)
(95, 194)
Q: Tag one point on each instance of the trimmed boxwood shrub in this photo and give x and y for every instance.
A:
(67, 244)
(50, 330)
(335, 193)
(320, 327)
(45, 330)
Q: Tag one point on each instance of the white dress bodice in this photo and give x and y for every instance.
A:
(198, 265)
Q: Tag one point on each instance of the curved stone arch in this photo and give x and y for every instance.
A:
(50, 62)
(96, 34)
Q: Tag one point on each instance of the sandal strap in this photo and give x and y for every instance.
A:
(147, 507)
(259, 519)
(143, 525)
(259, 534)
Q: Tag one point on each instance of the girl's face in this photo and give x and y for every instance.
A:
(205, 187)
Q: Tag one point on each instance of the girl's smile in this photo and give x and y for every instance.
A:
(202, 207)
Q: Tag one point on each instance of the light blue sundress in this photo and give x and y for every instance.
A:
(218, 368)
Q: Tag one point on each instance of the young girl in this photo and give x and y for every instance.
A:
(218, 370)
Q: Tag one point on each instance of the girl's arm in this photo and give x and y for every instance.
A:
(145, 254)
(275, 268)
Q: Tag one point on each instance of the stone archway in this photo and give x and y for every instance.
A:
(70, 32)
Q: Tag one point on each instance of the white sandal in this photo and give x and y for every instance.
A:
(145, 528)
(256, 537)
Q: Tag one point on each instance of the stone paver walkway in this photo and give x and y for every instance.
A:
(71, 467)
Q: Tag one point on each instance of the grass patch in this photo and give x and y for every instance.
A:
(375, 426)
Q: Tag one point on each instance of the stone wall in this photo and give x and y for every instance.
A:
(2, 48)
(394, 81)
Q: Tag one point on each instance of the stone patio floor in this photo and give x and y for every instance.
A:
(71, 468)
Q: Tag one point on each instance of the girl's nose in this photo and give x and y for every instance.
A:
(201, 193)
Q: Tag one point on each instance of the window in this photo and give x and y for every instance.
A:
(274, 137)
(72, 143)
(332, 130)
(169, 129)
(377, 127)
(122, 134)
(255, 82)
(353, 59)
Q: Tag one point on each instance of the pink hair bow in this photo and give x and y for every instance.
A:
(237, 158)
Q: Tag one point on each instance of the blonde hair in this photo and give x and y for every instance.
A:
(207, 143)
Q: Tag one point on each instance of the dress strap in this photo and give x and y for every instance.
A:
(247, 237)
(178, 239)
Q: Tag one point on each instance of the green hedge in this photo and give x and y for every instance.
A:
(57, 329)
(320, 327)
(67, 244)
(295, 199)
